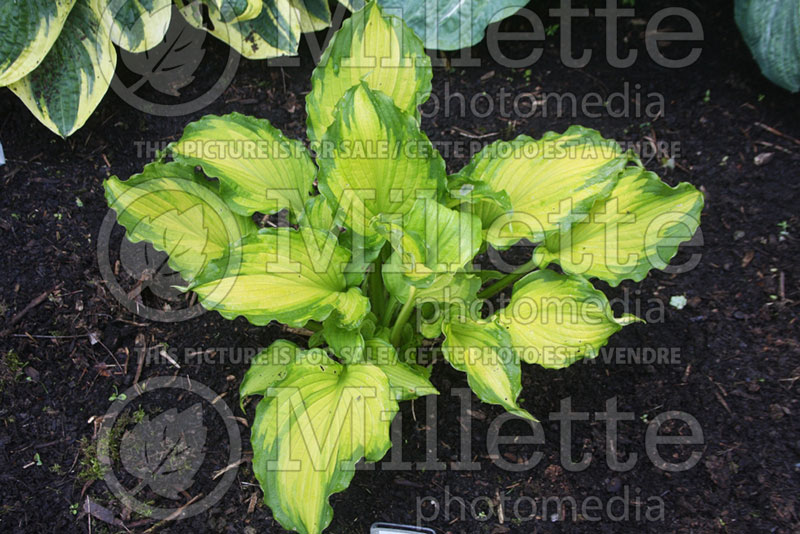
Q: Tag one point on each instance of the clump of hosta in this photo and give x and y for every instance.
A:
(379, 254)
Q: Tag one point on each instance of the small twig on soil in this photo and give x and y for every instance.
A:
(36, 336)
(776, 147)
(298, 331)
(174, 514)
(472, 135)
(251, 507)
(234, 465)
(772, 130)
(101, 513)
(31, 305)
(142, 348)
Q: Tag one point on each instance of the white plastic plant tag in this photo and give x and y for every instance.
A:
(2, 156)
(389, 528)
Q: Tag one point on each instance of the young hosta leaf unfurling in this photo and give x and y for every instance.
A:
(430, 240)
(379, 50)
(376, 160)
(259, 169)
(549, 182)
(311, 429)
(555, 320)
(178, 212)
(483, 350)
(286, 275)
(638, 228)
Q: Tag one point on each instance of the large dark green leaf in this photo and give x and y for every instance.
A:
(771, 28)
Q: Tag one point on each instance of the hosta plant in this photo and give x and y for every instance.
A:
(376, 254)
(58, 56)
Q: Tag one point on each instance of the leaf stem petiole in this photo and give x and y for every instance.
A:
(509, 279)
(405, 313)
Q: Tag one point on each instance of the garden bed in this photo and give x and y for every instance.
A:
(68, 346)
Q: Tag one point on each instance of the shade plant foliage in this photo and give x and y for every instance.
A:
(772, 32)
(377, 254)
(59, 58)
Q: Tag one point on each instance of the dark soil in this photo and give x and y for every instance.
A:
(736, 341)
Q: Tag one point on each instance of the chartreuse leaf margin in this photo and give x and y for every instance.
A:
(366, 247)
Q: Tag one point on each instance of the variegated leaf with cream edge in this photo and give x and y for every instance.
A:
(430, 240)
(259, 169)
(638, 228)
(311, 429)
(274, 32)
(66, 87)
(236, 10)
(315, 15)
(268, 368)
(136, 25)
(346, 343)
(377, 49)
(408, 381)
(550, 182)
(555, 320)
(286, 275)
(376, 161)
(28, 29)
(483, 350)
(169, 206)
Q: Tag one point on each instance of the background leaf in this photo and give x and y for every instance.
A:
(169, 66)
(771, 29)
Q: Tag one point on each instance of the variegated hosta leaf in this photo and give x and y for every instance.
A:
(447, 24)
(450, 288)
(179, 213)
(28, 28)
(270, 367)
(284, 275)
(309, 432)
(482, 349)
(555, 320)
(274, 32)
(136, 25)
(408, 381)
(317, 213)
(550, 181)
(638, 228)
(66, 87)
(467, 190)
(236, 10)
(346, 343)
(259, 169)
(377, 49)
(772, 32)
(432, 240)
(376, 160)
(315, 15)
